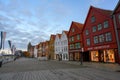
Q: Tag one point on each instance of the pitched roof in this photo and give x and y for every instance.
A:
(104, 11)
(59, 35)
(66, 32)
(52, 36)
(118, 4)
(79, 25)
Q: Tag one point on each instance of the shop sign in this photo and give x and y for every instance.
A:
(99, 47)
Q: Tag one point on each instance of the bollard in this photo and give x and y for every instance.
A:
(0, 63)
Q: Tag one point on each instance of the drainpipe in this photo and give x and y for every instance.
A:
(116, 32)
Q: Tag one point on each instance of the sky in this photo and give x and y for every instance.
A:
(35, 20)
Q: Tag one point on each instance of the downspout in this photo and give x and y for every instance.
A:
(116, 32)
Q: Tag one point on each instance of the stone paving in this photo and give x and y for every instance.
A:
(32, 69)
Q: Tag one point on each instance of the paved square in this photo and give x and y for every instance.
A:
(32, 69)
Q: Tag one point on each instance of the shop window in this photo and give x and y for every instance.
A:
(99, 26)
(109, 56)
(95, 39)
(88, 42)
(94, 56)
(92, 19)
(87, 32)
(106, 24)
(94, 29)
(101, 38)
(78, 37)
(108, 37)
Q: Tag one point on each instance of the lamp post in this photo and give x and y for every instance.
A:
(81, 60)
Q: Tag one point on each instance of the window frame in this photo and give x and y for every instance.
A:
(99, 26)
(106, 23)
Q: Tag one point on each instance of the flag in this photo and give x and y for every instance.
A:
(3, 38)
(9, 42)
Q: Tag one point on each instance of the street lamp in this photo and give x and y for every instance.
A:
(81, 60)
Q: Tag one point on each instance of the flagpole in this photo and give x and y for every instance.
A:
(1, 40)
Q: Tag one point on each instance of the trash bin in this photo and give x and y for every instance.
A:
(0, 63)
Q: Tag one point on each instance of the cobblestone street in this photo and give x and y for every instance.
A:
(32, 69)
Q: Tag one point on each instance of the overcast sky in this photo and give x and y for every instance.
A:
(35, 20)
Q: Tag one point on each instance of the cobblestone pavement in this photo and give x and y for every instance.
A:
(32, 69)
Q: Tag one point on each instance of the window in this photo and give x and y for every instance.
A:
(106, 24)
(99, 26)
(77, 45)
(78, 37)
(71, 46)
(92, 19)
(94, 29)
(88, 42)
(101, 38)
(73, 30)
(95, 39)
(72, 38)
(108, 36)
(86, 32)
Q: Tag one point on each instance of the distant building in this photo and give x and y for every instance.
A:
(30, 49)
(51, 47)
(35, 51)
(64, 45)
(57, 46)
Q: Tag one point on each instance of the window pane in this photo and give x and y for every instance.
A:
(101, 38)
(88, 42)
(94, 29)
(78, 37)
(73, 29)
(92, 19)
(86, 32)
(108, 36)
(99, 26)
(95, 39)
(106, 24)
(72, 38)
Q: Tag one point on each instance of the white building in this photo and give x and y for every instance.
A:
(35, 51)
(64, 45)
(57, 45)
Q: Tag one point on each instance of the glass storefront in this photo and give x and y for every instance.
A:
(109, 55)
(103, 55)
(94, 56)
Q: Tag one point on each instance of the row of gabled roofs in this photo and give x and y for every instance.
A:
(80, 25)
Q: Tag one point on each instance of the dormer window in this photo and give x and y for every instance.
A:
(92, 19)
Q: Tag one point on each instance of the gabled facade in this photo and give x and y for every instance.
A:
(57, 44)
(64, 45)
(35, 51)
(40, 49)
(30, 50)
(99, 36)
(116, 19)
(75, 41)
(51, 47)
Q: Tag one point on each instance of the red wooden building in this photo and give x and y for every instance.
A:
(99, 36)
(116, 19)
(75, 41)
